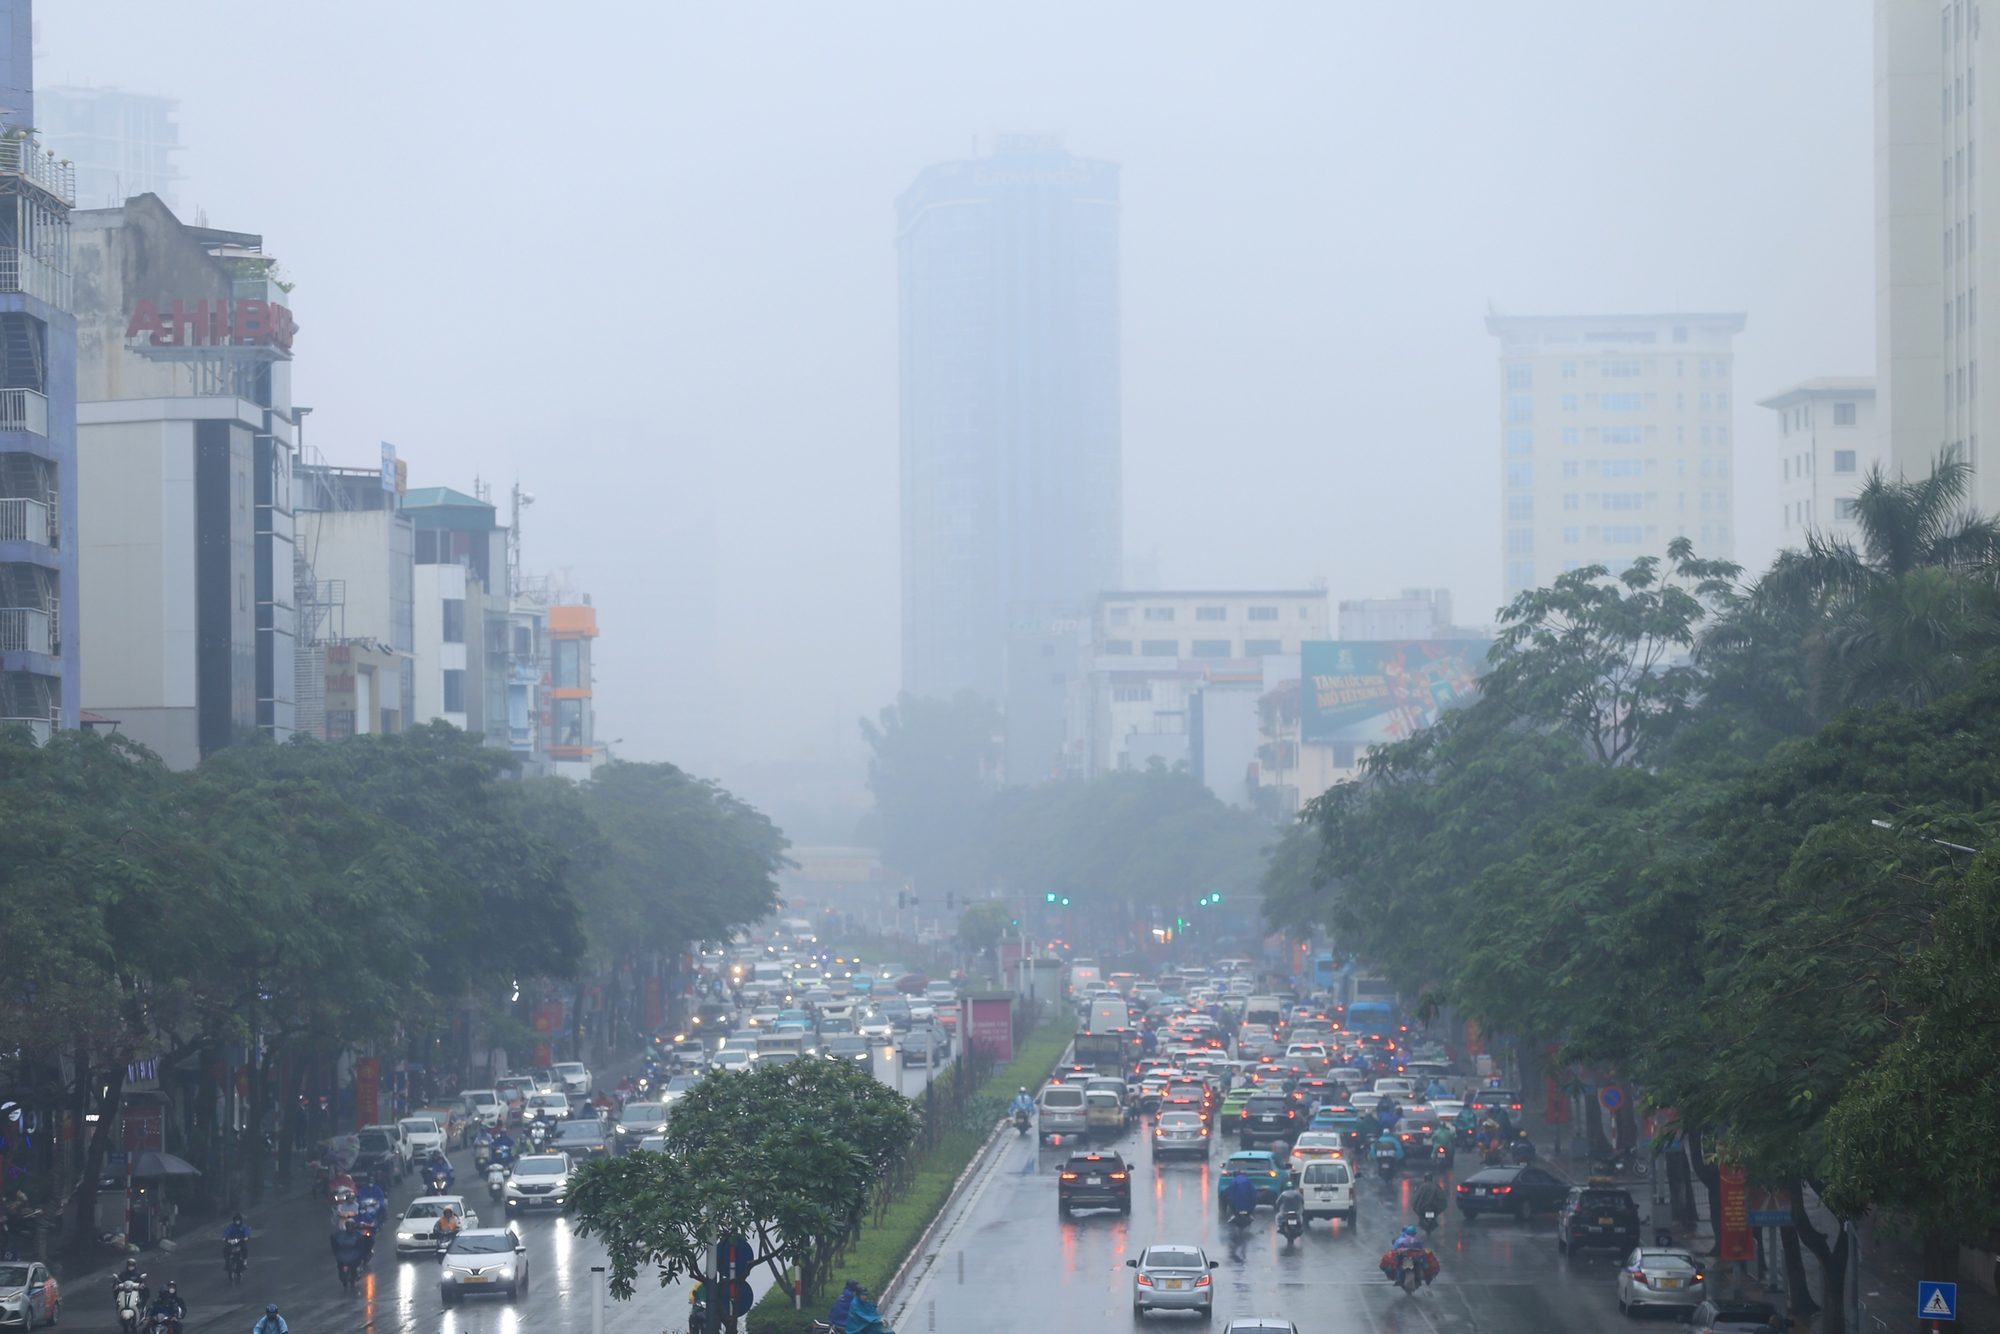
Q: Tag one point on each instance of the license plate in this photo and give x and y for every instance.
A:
(1093, 1181)
(1670, 1283)
(1481, 1190)
(1173, 1283)
(1608, 1222)
(474, 1278)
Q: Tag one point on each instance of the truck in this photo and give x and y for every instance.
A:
(1370, 1000)
(1082, 973)
(1266, 1010)
(1114, 1051)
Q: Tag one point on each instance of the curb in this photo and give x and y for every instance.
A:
(921, 1251)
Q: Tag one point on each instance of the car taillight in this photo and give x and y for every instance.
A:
(1291, 1116)
(1201, 1282)
(1144, 1282)
(1069, 1176)
(1501, 1190)
(1638, 1276)
(1117, 1176)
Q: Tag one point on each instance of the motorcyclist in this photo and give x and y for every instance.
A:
(1022, 1103)
(1388, 1146)
(1240, 1195)
(439, 1163)
(1291, 1202)
(272, 1323)
(1437, 1090)
(131, 1274)
(1408, 1240)
(237, 1231)
(1429, 1198)
(370, 1192)
(837, 1315)
(168, 1303)
(351, 1246)
(503, 1147)
(862, 1317)
(447, 1226)
(1444, 1143)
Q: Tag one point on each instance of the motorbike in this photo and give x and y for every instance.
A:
(129, 1296)
(1385, 1163)
(444, 1238)
(1409, 1271)
(1291, 1225)
(496, 1181)
(1239, 1219)
(159, 1322)
(235, 1255)
(1632, 1161)
(539, 1135)
(349, 1270)
(1428, 1221)
(482, 1154)
(437, 1180)
(1021, 1123)
(1523, 1150)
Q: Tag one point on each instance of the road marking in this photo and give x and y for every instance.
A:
(965, 1209)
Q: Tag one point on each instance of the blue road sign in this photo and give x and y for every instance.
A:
(734, 1257)
(738, 1295)
(1937, 1301)
(1612, 1098)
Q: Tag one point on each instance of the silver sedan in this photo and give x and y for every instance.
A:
(1656, 1276)
(1173, 1278)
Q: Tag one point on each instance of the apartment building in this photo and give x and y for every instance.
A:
(1615, 436)
(1824, 443)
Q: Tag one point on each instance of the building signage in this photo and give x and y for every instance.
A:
(367, 1089)
(216, 323)
(1732, 1231)
(1367, 691)
(991, 1025)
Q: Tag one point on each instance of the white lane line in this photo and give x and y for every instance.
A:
(943, 1239)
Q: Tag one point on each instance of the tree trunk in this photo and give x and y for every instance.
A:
(1802, 1303)
(1709, 1174)
(1680, 1191)
(1832, 1259)
(83, 1198)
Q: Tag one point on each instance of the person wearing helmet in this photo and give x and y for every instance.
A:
(168, 1303)
(272, 1323)
(1408, 1240)
(1022, 1103)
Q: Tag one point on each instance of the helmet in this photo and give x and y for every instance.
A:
(1409, 1232)
(170, 1285)
(271, 1309)
(1024, 1088)
(237, 1219)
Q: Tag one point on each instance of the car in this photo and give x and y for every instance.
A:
(1660, 1276)
(582, 1138)
(416, 1231)
(852, 1048)
(652, 1144)
(738, 1059)
(875, 1026)
(1732, 1317)
(546, 1107)
(28, 1295)
(1519, 1191)
(1402, 1090)
(1499, 1100)
(1262, 1169)
(1269, 1116)
(924, 1046)
(637, 1121)
(1597, 1216)
(1312, 1145)
(540, 1179)
(573, 1077)
(764, 1016)
(912, 984)
(940, 992)
(1094, 1181)
(482, 1260)
(514, 1090)
(677, 1088)
(1229, 1115)
(451, 1119)
(1061, 1110)
(422, 1134)
(1173, 1278)
(1181, 1134)
(1328, 1187)
(1259, 1324)
(485, 1106)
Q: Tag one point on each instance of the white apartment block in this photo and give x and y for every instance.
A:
(1929, 123)
(1615, 438)
(1824, 445)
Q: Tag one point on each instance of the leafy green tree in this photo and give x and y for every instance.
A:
(934, 766)
(982, 924)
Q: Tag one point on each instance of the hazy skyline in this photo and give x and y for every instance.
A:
(642, 260)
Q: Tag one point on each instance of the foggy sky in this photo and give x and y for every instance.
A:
(641, 258)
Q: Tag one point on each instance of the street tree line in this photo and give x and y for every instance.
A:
(304, 898)
(1732, 843)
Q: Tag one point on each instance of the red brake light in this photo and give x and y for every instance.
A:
(1145, 1282)
(1501, 1190)
(1463, 1188)
(1117, 1176)
(1069, 1176)
(1638, 1276)
(1201, 1282)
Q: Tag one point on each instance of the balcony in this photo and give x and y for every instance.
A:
(23, 520)
(22, 156)
(26, 630)
(33, 276)
(24, 410)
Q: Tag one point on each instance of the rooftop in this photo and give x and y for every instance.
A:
(1830, 386)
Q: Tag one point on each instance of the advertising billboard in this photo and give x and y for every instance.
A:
(1369, 692)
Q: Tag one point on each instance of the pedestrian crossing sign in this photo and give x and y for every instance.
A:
(1937, 1301)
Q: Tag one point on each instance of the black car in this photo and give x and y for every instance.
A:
(897, 1011)
(1596, 1216)
(1270, 1116)
(1497, 1101)
(1519, 1191)
(376, 1156)
(851, 1048)
(1094, 1181)
(581, 1138)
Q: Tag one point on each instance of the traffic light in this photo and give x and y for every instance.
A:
(1049, 897)
(947, 900)
(1065, 903)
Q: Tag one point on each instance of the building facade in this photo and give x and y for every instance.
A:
(1615, 438)
(1824, 445)
(1421, 613)
(186, 451)
(122, 143)
(1009, 402)
(355, 582)
(573, 747)
(463, 624)
(1929, 123)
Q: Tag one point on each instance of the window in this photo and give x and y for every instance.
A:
(1619, 402)
(1571, 536)
(1570, 500)
(1118, 647)
(1521, 376)
(1570, 467)
(454, 691)
(1621, 500)
(1520, 509)
(1704, 370)
(1343, 754)
(1708, 467)
(1569, 370)
(1160, 648)
(454, 621)
(1121, 616)
(1263, 613)
(1520, 475)
(568, 663)
(1520, 541)
(1520, 408)
(1722, 500)
(1622, 468)
(1628, 533)
(1620, 369)
(1262, 648)
(1704, 435)
(570, 725)
(1843, 508)
(1569, 402)
(1843, 414)
(1569, 435)
(1520, 442)
(1211, 613)
(1843, 460)
(1680, 333)
(1621, 435)
(1211, 648)
(1131, 694)
(1521, 573)
(1159, 613)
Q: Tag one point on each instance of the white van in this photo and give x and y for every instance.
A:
(1328, 1185)
(1063, 1111)
(1108, 1014)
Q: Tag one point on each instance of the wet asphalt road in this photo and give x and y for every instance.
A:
(1008, 1262)
(292, 1265)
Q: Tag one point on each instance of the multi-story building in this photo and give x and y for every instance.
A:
(1614, 440)
(40, 659)
(573, 747)
(1008, 270)
(1929, 123)
(1421, 613)
(463, 625)
(121, 143)
(186, 444)
(1825, 445)
(355, 577)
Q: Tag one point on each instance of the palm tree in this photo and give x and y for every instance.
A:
(1901, 617)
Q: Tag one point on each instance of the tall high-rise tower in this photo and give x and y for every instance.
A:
(1010, 403)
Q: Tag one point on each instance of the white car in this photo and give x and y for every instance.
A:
(573, 1077)
(422, 1134)
(539, 1180)
(1660, 1276)
(874, 1026)
(483, 1106)
(1313, 1145)
(416, 1231)
(483, 1260)
(1328, 1186)
(739, 1059)
(546, 1107)
(1402, 1090)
